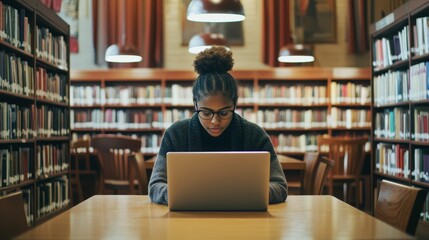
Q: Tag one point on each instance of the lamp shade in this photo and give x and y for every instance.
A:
(202, 41)
(122, 54)
(215, 11)
(296, 53)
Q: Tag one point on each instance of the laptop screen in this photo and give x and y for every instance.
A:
(208, 181)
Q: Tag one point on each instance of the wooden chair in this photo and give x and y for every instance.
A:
(310, 159)
(79, 154)
(123, 169)
(323, 166)
(400, 205)
(13, 220)
(348, 154)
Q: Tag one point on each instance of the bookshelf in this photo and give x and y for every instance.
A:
(400, 103)
(292, 104)
(34, 107)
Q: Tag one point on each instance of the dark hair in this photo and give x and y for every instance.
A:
(213, 65)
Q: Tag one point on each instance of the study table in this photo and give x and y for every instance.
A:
(135, 217)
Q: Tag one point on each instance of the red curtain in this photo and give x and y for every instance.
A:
(276, 30)
(142, 25)
(357, 27)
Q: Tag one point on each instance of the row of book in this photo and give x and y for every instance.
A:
(350, 118)
(294, 143)
(178, 94)
(392, 49)
(88, 95)
(292, 94)
(350, 93)
(115, 118)
(174, 115)
(151, 142)
(276, 118)
(15, 166)
(421, 165)
(419, 81)
(246, 93)
(392, 159)
(392, 123)
(391, 87)
(421, 36)
(15, 27)
(51, 159)
(51, 47)
(289, 118)
(16, 74)
(52, 196)
(421, 124)
(51, 86)
(124, 95)
(16, 121)
(52, 121)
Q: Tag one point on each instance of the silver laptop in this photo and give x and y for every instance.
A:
(224, 181)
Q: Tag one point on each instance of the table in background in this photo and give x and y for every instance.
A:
(286, 162)
(135, 217)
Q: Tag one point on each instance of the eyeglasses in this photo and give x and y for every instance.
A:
(222, 114)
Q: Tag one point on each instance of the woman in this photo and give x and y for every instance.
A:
(215, 126)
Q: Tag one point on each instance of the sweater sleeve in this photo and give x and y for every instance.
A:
(158, 192)
(278, 185)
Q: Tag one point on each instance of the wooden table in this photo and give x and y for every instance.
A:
(135, 217)
(289, 163)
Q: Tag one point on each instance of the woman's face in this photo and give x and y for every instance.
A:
(219, 104)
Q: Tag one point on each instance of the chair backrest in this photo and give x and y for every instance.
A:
(80, 158)
(400, 205)
(348, 153)
(323, 166)
(13, 220)
(310, 159)
(139, 172)
(80, 151)
(114, 153)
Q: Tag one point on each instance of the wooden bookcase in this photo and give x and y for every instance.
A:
(34, 107)
(306, 94)
(400, 103)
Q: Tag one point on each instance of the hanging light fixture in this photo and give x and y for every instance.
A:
(215, 11)
(124, 52)
(296, 53)
(203, 41)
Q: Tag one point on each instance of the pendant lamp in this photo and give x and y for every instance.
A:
(203, 41)
(296, 53)
(215, 11)
(123, 52)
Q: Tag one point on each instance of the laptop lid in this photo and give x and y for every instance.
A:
(225, 181)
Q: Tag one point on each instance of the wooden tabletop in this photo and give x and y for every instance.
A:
(135, 217)
(286, 162)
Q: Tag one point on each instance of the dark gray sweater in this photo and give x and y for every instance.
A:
(185, 136)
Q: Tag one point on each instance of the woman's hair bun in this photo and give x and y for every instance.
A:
(216, 59)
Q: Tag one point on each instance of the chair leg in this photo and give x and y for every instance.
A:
(331, 187)
(79, 191)
(345, 193)
(358, 194)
